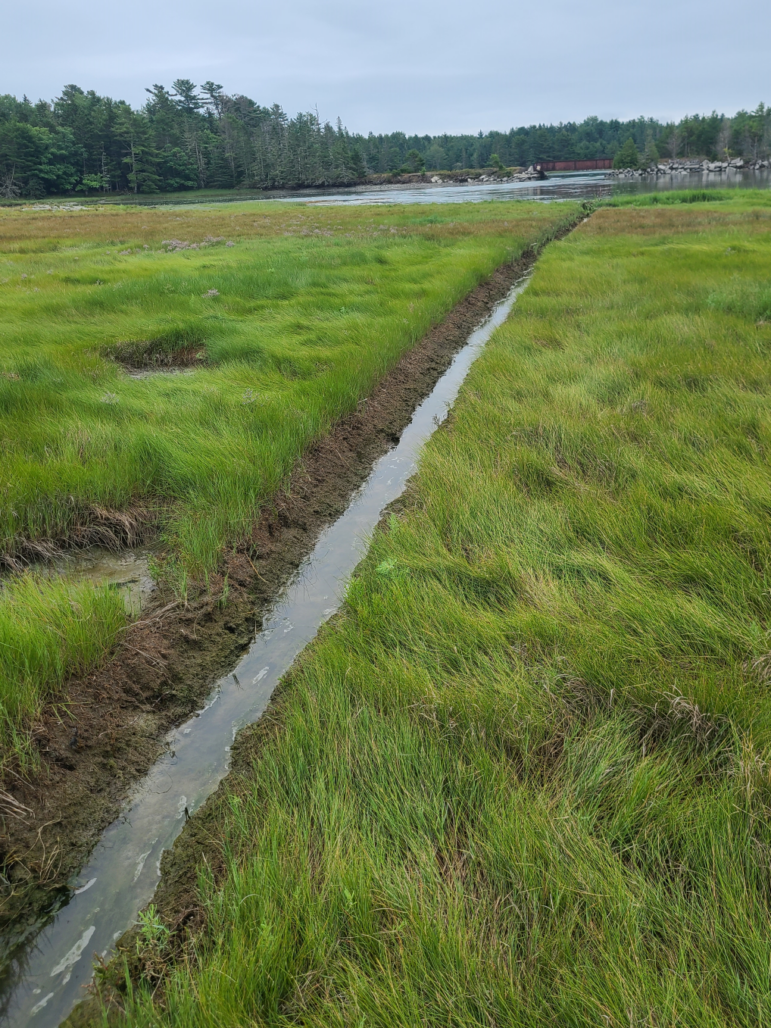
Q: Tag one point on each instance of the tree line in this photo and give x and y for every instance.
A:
(199, 137)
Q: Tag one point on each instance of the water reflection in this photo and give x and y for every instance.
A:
(570, 186)
(566, 186)
(127, 571)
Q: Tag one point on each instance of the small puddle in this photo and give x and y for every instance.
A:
(47, 978)
(128, 571)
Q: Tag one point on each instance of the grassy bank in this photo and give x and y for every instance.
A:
(48, 631)
(275, 319)
(747, 198)
(523, 779)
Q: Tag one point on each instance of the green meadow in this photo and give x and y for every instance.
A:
(524, 777)
(179, 362)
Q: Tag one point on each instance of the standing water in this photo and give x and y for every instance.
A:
(48, 978)
(127, 571)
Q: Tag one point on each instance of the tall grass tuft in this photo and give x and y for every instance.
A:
(48, 631)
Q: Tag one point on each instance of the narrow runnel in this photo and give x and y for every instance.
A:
(47, 974)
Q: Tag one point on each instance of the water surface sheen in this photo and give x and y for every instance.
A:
(582, 185)
(589, 185)
(127, 571)
(48, 979)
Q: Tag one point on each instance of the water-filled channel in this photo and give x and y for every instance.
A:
(121, 876)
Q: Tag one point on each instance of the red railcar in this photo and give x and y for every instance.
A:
(596, 165)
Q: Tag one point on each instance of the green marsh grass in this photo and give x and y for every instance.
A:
(289, 314)
(48, 631)
(748, 198)
(523, 778)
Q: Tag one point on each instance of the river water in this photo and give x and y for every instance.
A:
(565, 186)
(48, 977)
(570, 186)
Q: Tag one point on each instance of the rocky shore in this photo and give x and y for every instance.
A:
(692, 167)
(446, 178)
(531, 175)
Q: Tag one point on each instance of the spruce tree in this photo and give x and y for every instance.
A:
(627, 156)
(651, 155)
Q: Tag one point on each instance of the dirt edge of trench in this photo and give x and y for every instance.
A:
(109, 731)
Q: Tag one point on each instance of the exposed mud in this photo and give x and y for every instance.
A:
(176, 349)
(141, 362)
(127, 571)
(110, 730)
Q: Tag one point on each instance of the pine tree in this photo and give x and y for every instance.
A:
(140, 158)
(416, 161)
(627, 156)
(651, 155)
(192, 136)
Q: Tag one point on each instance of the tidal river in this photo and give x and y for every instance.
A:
(566, 186)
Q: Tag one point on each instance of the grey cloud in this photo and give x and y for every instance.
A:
(416, 66)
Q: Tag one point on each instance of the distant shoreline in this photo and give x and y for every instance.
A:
(692, 167)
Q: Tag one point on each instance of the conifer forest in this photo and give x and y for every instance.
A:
(199, 137)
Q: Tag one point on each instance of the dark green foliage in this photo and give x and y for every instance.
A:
(651, 151)
(180, 139)
(416, 161)
(627, 156)
(200, 137)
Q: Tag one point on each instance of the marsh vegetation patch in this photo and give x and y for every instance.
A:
(76, 434)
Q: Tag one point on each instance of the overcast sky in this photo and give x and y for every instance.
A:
(415, 65)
